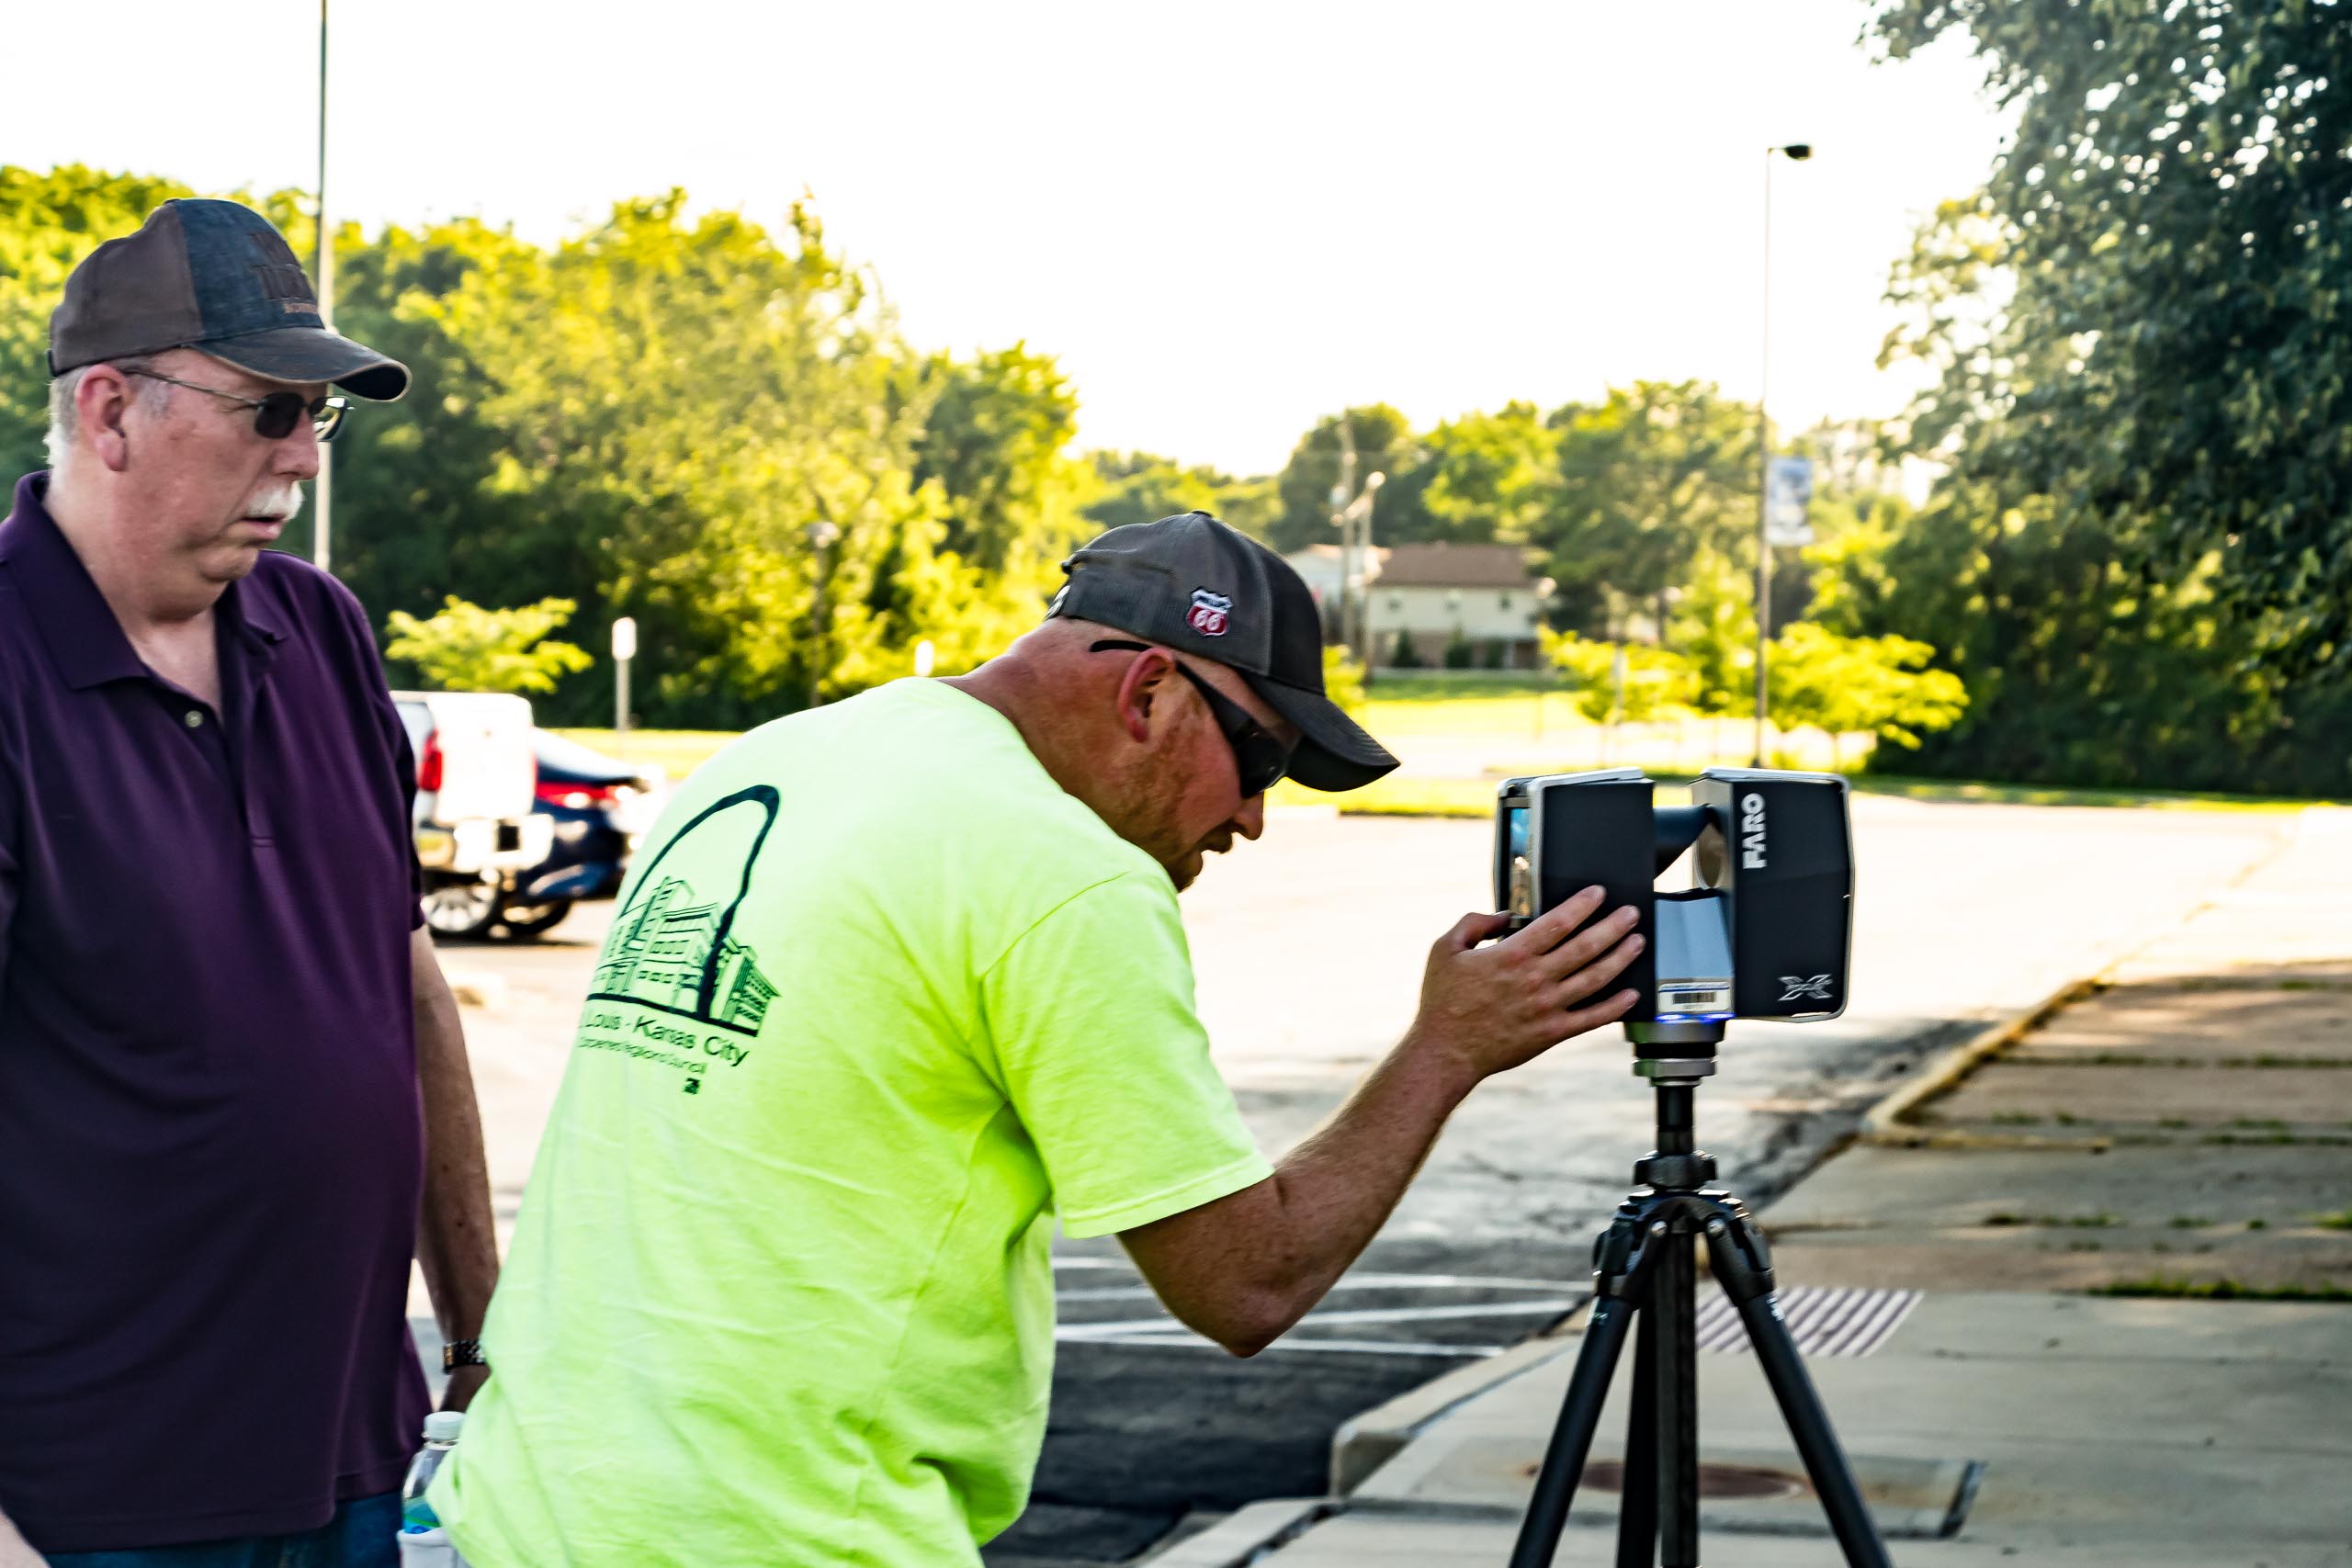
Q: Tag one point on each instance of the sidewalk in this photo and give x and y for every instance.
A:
(2179, 1142)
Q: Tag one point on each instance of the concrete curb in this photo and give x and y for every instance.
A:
(1882, 1124)
(1248, 1536)
(1364, 1443)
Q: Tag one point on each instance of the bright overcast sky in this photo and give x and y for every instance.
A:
(1226, 219)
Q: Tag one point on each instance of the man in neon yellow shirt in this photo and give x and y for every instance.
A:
(897, 983)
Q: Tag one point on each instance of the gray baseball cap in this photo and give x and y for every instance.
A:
(1191, 583)
(214, 276)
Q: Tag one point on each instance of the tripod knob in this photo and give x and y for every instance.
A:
(1675, 1173)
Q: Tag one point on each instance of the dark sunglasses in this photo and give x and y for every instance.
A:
(1258, 756)
(275, 416)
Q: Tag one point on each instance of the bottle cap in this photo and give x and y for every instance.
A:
(443, 1426)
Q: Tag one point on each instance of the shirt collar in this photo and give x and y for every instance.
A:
(75, 620)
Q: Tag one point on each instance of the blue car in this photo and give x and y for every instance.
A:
(601, 807)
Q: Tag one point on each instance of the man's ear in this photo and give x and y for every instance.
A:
(102, 400)
(1146, 679)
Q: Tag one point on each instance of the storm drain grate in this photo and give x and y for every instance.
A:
(1824, 1322)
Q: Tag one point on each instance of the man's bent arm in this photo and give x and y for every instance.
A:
(457, 1242)
(15, 1552)
(1245, 1268)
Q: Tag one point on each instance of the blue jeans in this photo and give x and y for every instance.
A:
(360, 1536)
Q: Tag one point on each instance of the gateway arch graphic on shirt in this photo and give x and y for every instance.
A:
(672, 946)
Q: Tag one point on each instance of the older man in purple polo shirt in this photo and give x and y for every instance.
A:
(233, 1094)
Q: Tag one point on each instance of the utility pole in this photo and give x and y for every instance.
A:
(1797, 153)
(1352, 516)
(1358, 513)
(1343, 489)
(323, 490)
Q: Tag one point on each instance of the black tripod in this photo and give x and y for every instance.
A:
(1645, 1262)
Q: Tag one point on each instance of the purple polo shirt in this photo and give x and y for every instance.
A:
(210, 1141)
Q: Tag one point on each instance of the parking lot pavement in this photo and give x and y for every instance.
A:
(1308, 947)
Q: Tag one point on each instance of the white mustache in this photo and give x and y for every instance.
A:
(277, 506)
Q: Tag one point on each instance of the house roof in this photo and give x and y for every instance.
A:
(1456, 566)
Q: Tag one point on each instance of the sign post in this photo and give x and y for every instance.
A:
(624, 650)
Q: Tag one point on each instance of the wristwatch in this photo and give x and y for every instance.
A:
(459, 1353)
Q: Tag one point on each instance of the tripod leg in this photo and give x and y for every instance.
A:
(1676, 1310)
(1637, 1510)
(1809, 1425)
(1555, 1483)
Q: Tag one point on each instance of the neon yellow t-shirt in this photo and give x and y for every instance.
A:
(880, 1000)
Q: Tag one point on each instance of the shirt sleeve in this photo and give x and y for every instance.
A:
(1091, 1017)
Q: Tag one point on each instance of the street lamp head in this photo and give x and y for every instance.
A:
(1798, 151)
(824, 535)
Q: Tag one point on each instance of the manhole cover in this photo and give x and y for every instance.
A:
(1743, 1483)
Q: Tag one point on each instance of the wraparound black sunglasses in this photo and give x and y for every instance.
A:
(1258, 756)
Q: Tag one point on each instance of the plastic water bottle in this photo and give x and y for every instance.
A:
(427, 1547)
(441, 1429)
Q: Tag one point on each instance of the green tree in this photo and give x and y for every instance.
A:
(1342, 678)
(1883, 685)
(425, 502)
(1713, 628)
(726, 416)
(994, 433)
(1610, 682)
(1649, 478)
(2079, 669)
(1138, 487)
(467, 648)
(1383, 443)
(1487, 476)
(2172, 367)
(47, 223)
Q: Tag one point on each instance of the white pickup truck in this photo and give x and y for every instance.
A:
(475, 827)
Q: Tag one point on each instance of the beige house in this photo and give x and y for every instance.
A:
(1428, 592)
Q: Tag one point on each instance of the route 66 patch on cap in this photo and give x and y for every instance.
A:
(1210, 613)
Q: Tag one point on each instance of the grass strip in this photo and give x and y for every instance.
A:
(2162, 1287)
(1911, 788)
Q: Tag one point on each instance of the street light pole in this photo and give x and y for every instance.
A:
(323, 490)
(1797, 153)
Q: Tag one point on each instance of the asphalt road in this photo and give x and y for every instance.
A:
(1308, 947)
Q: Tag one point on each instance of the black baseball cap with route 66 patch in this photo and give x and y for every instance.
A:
(1192, 584)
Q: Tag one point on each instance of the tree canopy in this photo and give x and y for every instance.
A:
(2175, 219)
(469, 648)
